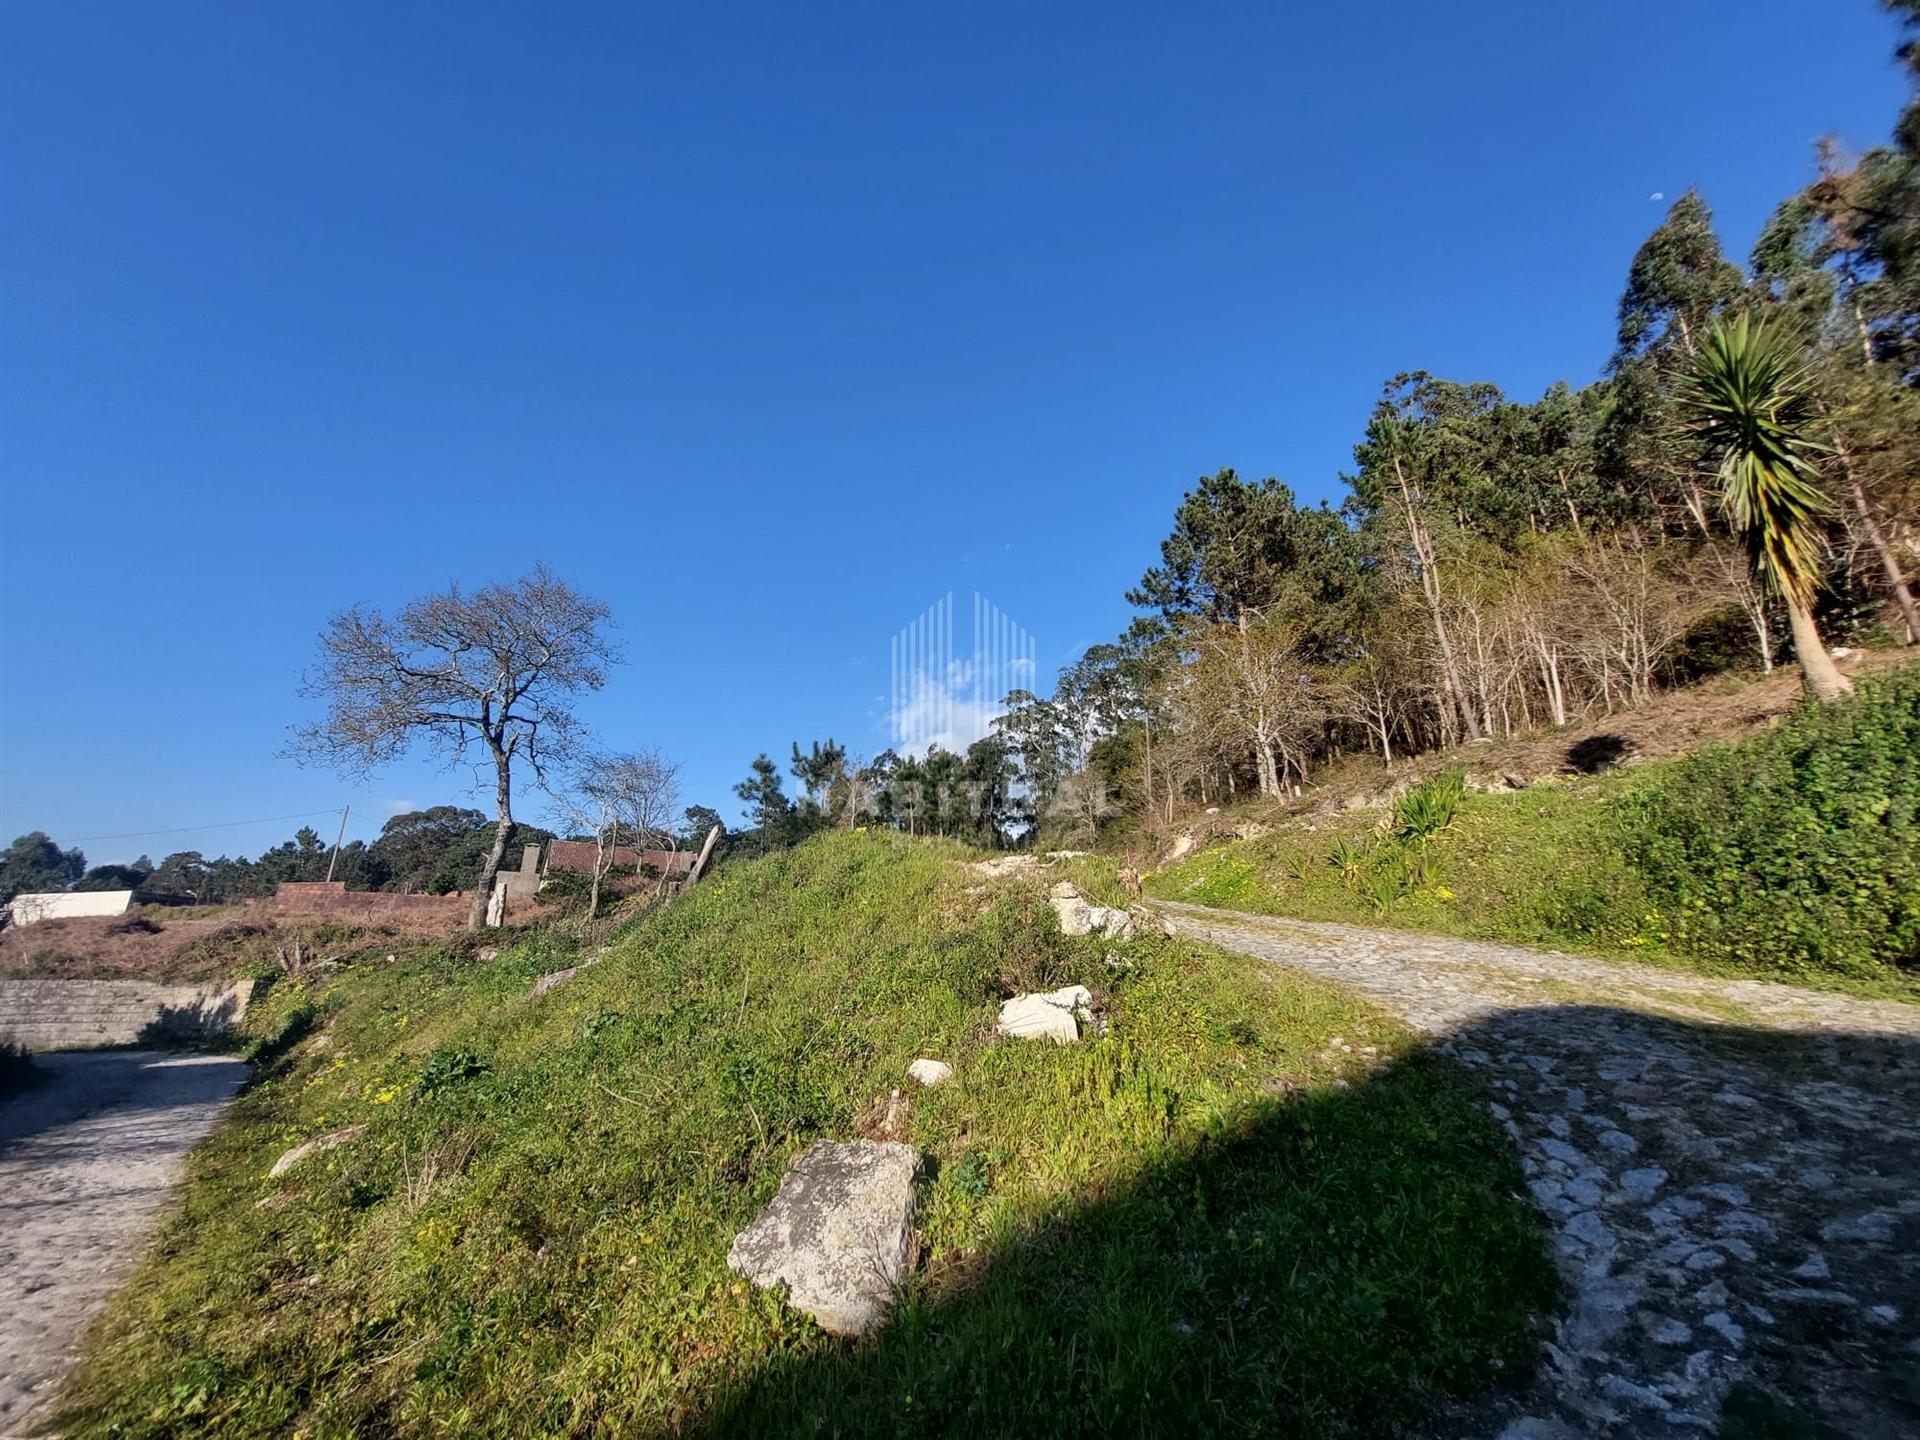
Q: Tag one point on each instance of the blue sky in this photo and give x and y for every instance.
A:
(768, 324)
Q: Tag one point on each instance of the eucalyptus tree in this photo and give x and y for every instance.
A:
(498, 669)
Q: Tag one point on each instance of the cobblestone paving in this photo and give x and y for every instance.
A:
(87, 1162)
(1730, 1168)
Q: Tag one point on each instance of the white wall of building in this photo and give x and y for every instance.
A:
(68, 905)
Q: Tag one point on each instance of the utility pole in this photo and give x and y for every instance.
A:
(336, 842)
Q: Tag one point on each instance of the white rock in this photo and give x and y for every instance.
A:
(931, 1072)
(330, 1141)
(1079, 916)
(1050, 1015)
(838, 1234)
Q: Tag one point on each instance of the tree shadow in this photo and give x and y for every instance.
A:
(1597, 753)
(1340, 1262)
(84, 1083)
(1358, 1262)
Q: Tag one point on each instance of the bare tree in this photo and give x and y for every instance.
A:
(627, 798)
(1248, 685)
(499, 668)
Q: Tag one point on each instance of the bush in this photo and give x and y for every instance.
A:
(1799, 851)
(1430, 806)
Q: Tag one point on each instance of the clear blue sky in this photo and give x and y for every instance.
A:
(767, 323)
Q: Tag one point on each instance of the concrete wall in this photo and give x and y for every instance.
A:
(80, 1014)
(334, 901)
(69, 905)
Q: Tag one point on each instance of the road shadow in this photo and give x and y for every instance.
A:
(1259, 1283)
(80, 1083)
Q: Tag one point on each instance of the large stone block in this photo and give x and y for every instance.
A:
(838, 1234)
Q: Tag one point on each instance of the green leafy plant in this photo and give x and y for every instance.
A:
(1430, 806)
(1798, 851)
(446, 1067)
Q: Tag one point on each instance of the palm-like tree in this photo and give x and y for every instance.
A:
(1751, 400)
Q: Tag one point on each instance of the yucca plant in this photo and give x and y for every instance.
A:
(1749, 397)
(1430, 806)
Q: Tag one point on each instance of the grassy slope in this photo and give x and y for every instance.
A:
(1212, 1218)
(1532, 866)
(1540, 867)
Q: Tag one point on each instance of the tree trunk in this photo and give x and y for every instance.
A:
(1822, 677)
(1889, 562)
(1269, 773)
(1424, 552)
(502, 837)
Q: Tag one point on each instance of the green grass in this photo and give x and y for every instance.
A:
(1209, 1219)
(1547, 866)
(1794, 855)
(1533, 866)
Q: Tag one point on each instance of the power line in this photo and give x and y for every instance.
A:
(189, 829)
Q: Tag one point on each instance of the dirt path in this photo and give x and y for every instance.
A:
(1731, 1169)
(86, 1161)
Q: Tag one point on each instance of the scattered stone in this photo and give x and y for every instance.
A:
(1078, 916)
(838, 1234)
(1672, 1210)
(1726, 1194)
(1624, 1392)
(1884, 1314)
(1704, 1259)
(930, 1072)
(1619, 1142)
(1875, 1227)
(1589, 1229)
(1049, 1015)
(1668, 1331)
(333, 1140)
(1744, 1222)
(1729, 1328)
(1004, 865)
(1737, 1248)
(560, 977)
(1565, 1153)
(1643, 1183)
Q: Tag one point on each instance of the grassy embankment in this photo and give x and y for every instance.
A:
(1793, 855)
(1253, 1205)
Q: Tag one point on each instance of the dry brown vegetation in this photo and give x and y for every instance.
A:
(154, 943)
(1668, 723)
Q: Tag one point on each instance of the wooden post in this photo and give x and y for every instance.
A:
(336, 842)
(700, 861)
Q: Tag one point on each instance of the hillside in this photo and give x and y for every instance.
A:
(1794, 852)
(1253, 1202)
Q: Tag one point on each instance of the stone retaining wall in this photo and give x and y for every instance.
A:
(80, 1014)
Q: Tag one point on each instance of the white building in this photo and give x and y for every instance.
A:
(68, 905)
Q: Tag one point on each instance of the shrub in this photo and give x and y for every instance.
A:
(1799, 850)
(1430, 806)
